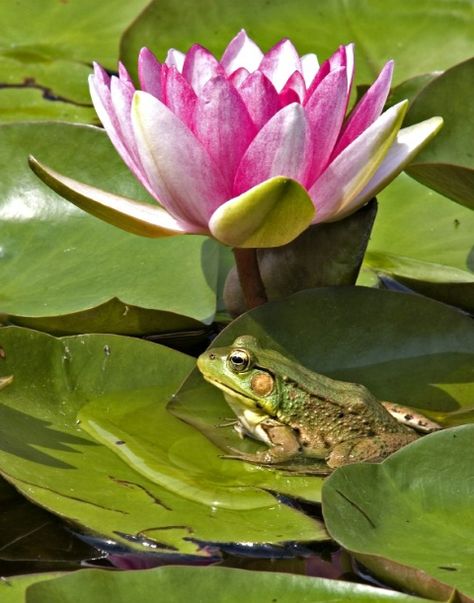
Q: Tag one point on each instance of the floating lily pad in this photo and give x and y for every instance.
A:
(30, 104)
(50, 45)
(447, 163)
(431, 35)
(13, 590)
(66, 272)
(205, 584)
(425, 241)
(49, 458)
(410, 518)
(404, 348)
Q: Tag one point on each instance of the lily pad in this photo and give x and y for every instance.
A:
(31, 104)
(404, 348)
(431, 35)
(447, 164)
(66, 272)
(50, 45)
(13, 590)
(49, 458)
(204, 584)
(410, 517)
(425, 241)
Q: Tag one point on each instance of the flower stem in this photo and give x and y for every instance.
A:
(250, 278)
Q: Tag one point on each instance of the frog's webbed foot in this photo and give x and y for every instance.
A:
(271, 456)
(294, 465)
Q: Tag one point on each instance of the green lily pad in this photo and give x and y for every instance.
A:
(30, 104)
(447, 164)
(202, 584)
(404, 348)
(50, 45)
(431, 35)
(177, 457)
(205, 584)
(13, 590)
(64, 271)
(49, 458)
(411, 88)
(423, 240)
(410, 517)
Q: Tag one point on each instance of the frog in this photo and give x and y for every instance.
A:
(300, 413)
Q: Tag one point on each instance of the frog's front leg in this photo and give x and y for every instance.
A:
(371, 449)
(284, 446)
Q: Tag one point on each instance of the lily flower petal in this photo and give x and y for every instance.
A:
(283, 147)
(135, 217)
(280, 62)
(260, 97)
(367, 109)
(408, 143)
(186, 180)
(294, 90)
(200, 66)
(325, 111)
(241, 52)
(309, 67)
(180, 97)
(99, 85)
(149, 73)
(350, 172)
(223, 125)
(175, 58)
(270, 214)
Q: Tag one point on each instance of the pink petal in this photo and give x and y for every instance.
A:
(175, 58)
(101, 97)
(283, 147)
(223, 125)
(139, 218)
(121, 96)
(150, 73)
(349, 173)
(199, 67)
(180, 97)
(322, 73)
(325, 112)
(260, 97)
(241, 52)
(239, 76)
(368, 109)
(124, 75)
(344, 57)
(294, 91)
(188, 183)
(309, 68)
(280, 62)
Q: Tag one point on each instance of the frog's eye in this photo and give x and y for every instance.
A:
(239, 360)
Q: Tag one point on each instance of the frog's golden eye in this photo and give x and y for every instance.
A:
(239, 360)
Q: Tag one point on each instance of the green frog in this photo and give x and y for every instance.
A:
(296, 411)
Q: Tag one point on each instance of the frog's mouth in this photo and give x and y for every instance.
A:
(239, 398)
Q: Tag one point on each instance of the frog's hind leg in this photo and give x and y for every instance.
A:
(411, 417)
(371, 449)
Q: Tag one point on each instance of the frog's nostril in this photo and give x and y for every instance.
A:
(212, 356)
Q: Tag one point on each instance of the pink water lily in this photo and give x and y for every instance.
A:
(250, 149)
